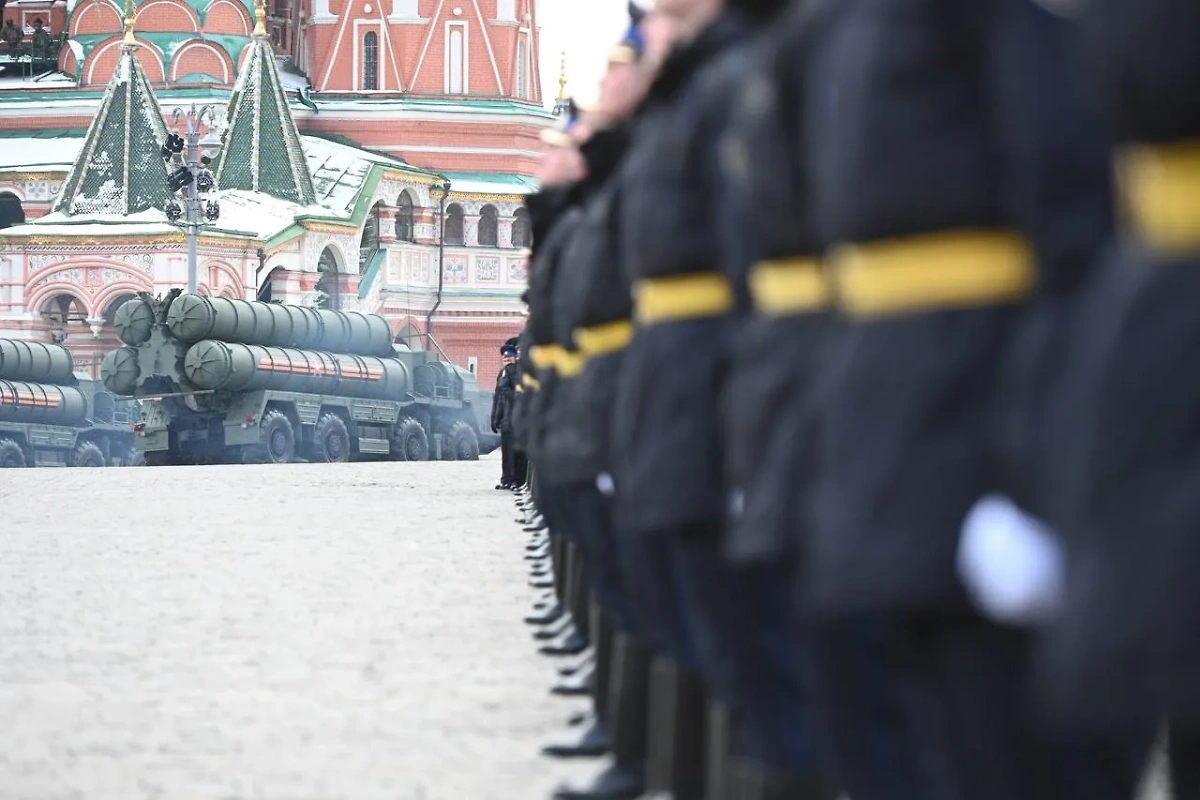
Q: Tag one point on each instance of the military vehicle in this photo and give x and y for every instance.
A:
(50, 416)
(229, 381)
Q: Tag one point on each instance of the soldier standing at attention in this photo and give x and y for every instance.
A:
(729, 624)
(1124, 648)
(503, 402)
(959, 189)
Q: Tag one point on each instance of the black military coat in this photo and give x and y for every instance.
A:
(769, 381)
(1127, 646)
(668, 465)
(946, 115)
(589, 288)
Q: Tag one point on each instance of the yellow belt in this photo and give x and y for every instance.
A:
(1161, 185)
(599, 340)
(530, 381)
(681, 297)
(546, 356)
(938, 271)
(570, 364)
(783, 287)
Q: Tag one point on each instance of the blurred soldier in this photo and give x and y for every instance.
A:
(714, 621)
(962, 191)
(1125, 648)
(578, 446)
(502, 410)
(771, 438)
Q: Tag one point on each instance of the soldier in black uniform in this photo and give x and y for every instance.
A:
(502, 410)
(769, 401)
(669, 464)
(961, 190)
(1125, 648)
(589, 285)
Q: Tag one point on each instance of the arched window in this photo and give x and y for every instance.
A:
(266, 292)
(369, 244)
(370, 81)
(521, 234)
(328, 291)
(404, 218)
(11, 211)
(453, 226)
(488, 226)
(412, 337)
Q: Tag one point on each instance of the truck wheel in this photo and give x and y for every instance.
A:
(88, 454)
(276, 441)
(409, 442)
(158, 458)
(331, 440)
(461, 443)
(11, 454)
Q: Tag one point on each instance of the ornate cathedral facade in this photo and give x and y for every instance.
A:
(374, 156)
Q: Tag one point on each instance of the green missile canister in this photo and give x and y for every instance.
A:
(133, 321)
(22, 401)
(193, 318)
(233, 367)
(34, 361)
(120, 371)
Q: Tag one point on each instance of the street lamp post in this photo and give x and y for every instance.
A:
(444, 189)
(191, 180)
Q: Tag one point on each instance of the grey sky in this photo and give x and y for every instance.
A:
(586, 30)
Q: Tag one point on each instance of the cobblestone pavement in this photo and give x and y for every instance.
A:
(305, 631)
(310, 631)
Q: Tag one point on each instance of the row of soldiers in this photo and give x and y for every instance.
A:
(854, 388)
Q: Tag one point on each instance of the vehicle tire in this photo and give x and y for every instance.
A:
(276, 440)
(409, 441)
(331, 440)
(11, 454)
(88, 454)
(461, 443)
(158, 458)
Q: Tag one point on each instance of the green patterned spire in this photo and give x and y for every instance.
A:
(261, 142)
(119, 170)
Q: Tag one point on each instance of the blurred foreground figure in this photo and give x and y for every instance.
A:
(961, 192)
(718, 629)
(1126, 645)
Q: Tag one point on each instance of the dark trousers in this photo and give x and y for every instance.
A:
(743, 626)
(508, 460)
(859, 698)
(520, 467)
(650, 575)
(591, 520)
(975, 731)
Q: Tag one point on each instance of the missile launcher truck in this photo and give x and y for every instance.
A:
(233, 381)
(52, 416)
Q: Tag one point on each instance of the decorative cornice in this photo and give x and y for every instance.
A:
(516, 198)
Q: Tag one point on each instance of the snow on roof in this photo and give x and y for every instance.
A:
(339, 171)
(486, 183)
(27, 152)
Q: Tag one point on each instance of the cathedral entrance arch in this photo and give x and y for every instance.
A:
(329, 293)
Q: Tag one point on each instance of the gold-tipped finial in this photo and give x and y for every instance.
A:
(260, 15)
(562, 77)
(129, 15)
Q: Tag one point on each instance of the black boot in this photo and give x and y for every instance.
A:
(576, 685)
(568, 644)
(547, 617)
(750, 781)
(628, 701)
(553, 631)
(717, 772)
(591, 743)
(602, 644)
(612, 784)
(678, 733)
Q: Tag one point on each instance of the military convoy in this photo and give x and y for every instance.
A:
(51, 416)
(230, 381)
